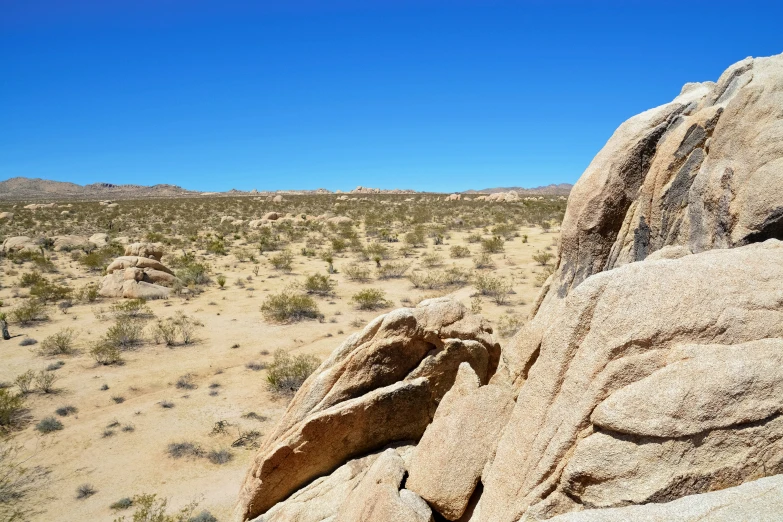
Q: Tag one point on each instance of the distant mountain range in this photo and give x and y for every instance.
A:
(21, 188)
(35, 188)
(561, 189)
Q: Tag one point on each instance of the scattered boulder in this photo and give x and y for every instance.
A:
(69, 242)
(18, 244)
(339, 220)
(271, 216)
(223, 219)
(100, 239)
(277, 199)
(6, 216)
(136, 277)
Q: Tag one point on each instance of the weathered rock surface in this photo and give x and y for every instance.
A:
(701, 334)
(151, 250)
(99, 239)
(451, 455)
(135, 277)
(702, 172)
(69, 242)
(6, 216)
(380, 386)
(18, 244)
(760, 500)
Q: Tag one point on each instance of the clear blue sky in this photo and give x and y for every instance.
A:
(428, 94)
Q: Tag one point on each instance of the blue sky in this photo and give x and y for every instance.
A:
(427, 94)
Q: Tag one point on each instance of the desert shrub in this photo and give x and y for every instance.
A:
(28, 312)
(204, 516)
(376, 250)
(289, 306)
(497, 288)
(283, 260)
(505, 230)
(459, 251)
(31, 278)
(85, 490)
(55, 366)
(221, 280)
(338, 244)
(392, 270)
(429, 279)
(456, 276)
(431, 260)
(508, 325)
(357, 272)
(319, 284)
(256, 366)
(28, 341)
(64, 411)
(474, 238)
(60, 343)
(44, 381)
(46, 291)
(178, 450)
(484, 261)
(221, 456)
(151, 509)
(123, 503)
(105, 353)
(88, 293)
(193, 274)
(415, 237)
(185, 382)
(492, 245)
(131, 309)
(370, 299)
(98, 259)
(216, 247)
(286, 373)
(11, 408)
(180, 328)
(16, 482)
(125, 333)
(48, 425)
(24, 381)
(543, 258)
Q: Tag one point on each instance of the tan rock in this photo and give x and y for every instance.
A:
(121, 263)
(381, 385)
(760, 500)
(100, 239)
(619, 328)
(378, 498)
(69, 242)
(451, 455)
(6, 216)
(271, 216)
(18, 244)
(152, 250)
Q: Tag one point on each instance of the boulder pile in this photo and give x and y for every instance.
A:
(138, 274)
(647, 385)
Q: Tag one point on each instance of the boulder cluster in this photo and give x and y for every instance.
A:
(647, 385)
(138, 274)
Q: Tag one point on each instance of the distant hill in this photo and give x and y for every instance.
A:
(561, 189)
(35, 188)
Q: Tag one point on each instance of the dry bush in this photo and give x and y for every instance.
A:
(12, 406)
(319, 284)
(459, 251)
(29, 312)
(392, 270)
(543, 258)
(492, 245)
(283, 261)
(289, 306)
(60, 343)
(496, 288)
(286, 373)
(370, 299)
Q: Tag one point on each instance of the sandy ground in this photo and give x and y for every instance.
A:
(126, 463)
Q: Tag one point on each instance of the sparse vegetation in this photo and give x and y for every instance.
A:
(60, 343)
(12, 407)
(49, 425)
(289, 306)
(286, 373)
(370, 299)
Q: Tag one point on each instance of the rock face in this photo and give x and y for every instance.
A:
(19, 243)
(6, 216)
(380, 386)
(151, 250)
(134, 276)
(646, 386)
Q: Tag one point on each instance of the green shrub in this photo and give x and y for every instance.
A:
(357, 272)
(60, 343)
(484, 261)
(31, 278)
(194, 274)
(131, 309)
(289, 306)
(48, 425)
(492, 245)
(370, 299)
(44, 381)
(459, 251)
(283, 260)
(392, 270)
(543, 258)
(431, 259)
(221, 280)
(88, 293)
(179, 328)
(11, 408)
(125, 333)
(286, 374)
(151, 509)
(496, 288)
(319, 284)
(216, 247)
(47, 291)
(24, 381)
(105, 353)
(28, 312)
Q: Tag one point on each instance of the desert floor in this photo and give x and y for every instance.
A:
(117, 442)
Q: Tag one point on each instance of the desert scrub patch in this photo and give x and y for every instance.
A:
(544, 274)
(47, 291)
(24, 381)
(319, 284)
(149, 508)
(123, 503)
(283, 261)
(48, 425)
(493, 245)
(186, 382)
(286, 373)
(60, 343)
(543, 258)
(459, 251)
(178, 329)
(29, 312)
(392, 270)
(289, 306)
(484, 261)
(184, 449)
(85, 490)
(12, 407)
(44, 381)
(508, 325)
(220, 456)
(64, 411)
(357, 272)
(431, 259)
(370, 299)
(105, 353)
(496, 288)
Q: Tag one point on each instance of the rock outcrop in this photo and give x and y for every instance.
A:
(18, 244)
(138, 274)
(380, 386)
